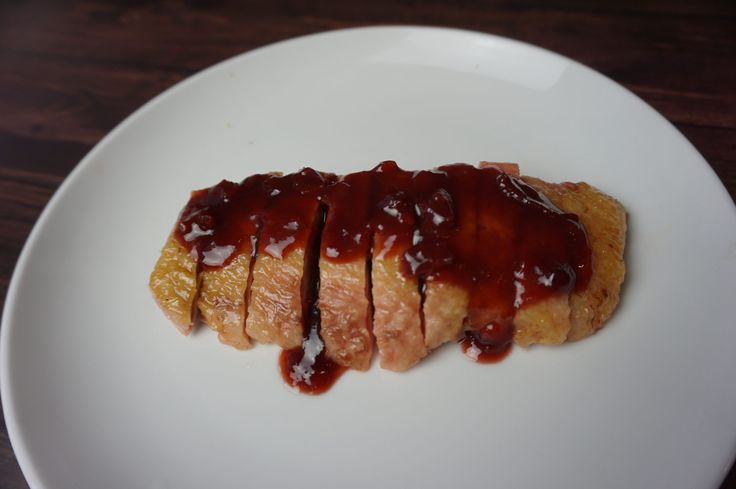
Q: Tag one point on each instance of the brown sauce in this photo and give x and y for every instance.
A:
(489, 344)
(287, 220)
(222, 221)
(308, 369)
(347, 235)
(483, 229)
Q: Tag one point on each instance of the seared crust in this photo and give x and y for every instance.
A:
(174, 284)
(604, 219)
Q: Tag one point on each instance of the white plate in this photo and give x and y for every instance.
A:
(100, 391)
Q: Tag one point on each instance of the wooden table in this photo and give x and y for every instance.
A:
(70, 72)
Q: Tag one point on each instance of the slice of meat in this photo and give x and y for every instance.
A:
(446, 294)
(276, 309)
(346, 313)
(174, 284)
(222, 299)
(490, 254)
(344, 295)
(495, 249)
(604, 219)
(397, 324)
(446, 298)
(396, 321)
(221, 223)
(545, 322)
(537, 317)
(445, 307)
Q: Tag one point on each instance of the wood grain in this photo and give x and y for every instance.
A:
(69, 72)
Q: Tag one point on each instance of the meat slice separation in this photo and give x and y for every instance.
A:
(397, 324)
(275, 312)
(324, 266)
(344, 295)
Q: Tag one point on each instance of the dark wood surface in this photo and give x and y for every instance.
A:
(69, 72)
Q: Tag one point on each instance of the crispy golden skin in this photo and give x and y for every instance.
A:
(604, 219)
(222, 299)
(174, 284)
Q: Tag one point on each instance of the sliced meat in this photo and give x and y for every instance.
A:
(445, 308)
(604, 219)
(222, 298)
(426, 253)
(495, 249)
(537, 316)
(346, 313)
(276, 309)
(221, 222)
(446, 292)
(490, 229)
(174, 284)
(545, 322)
(397, 324)
(344, 281)
(396, 321)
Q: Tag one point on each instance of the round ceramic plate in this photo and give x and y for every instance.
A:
(99, 390)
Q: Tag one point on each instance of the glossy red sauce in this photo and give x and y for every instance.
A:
(480, 228)
(489, 344)
(347, 235)
(308, 369)
(222, 221)
(290, 211)
(276, 212)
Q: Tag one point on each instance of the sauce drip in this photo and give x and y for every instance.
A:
(480, 228)
(222, 221)
(489, 344)
(308, 369)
